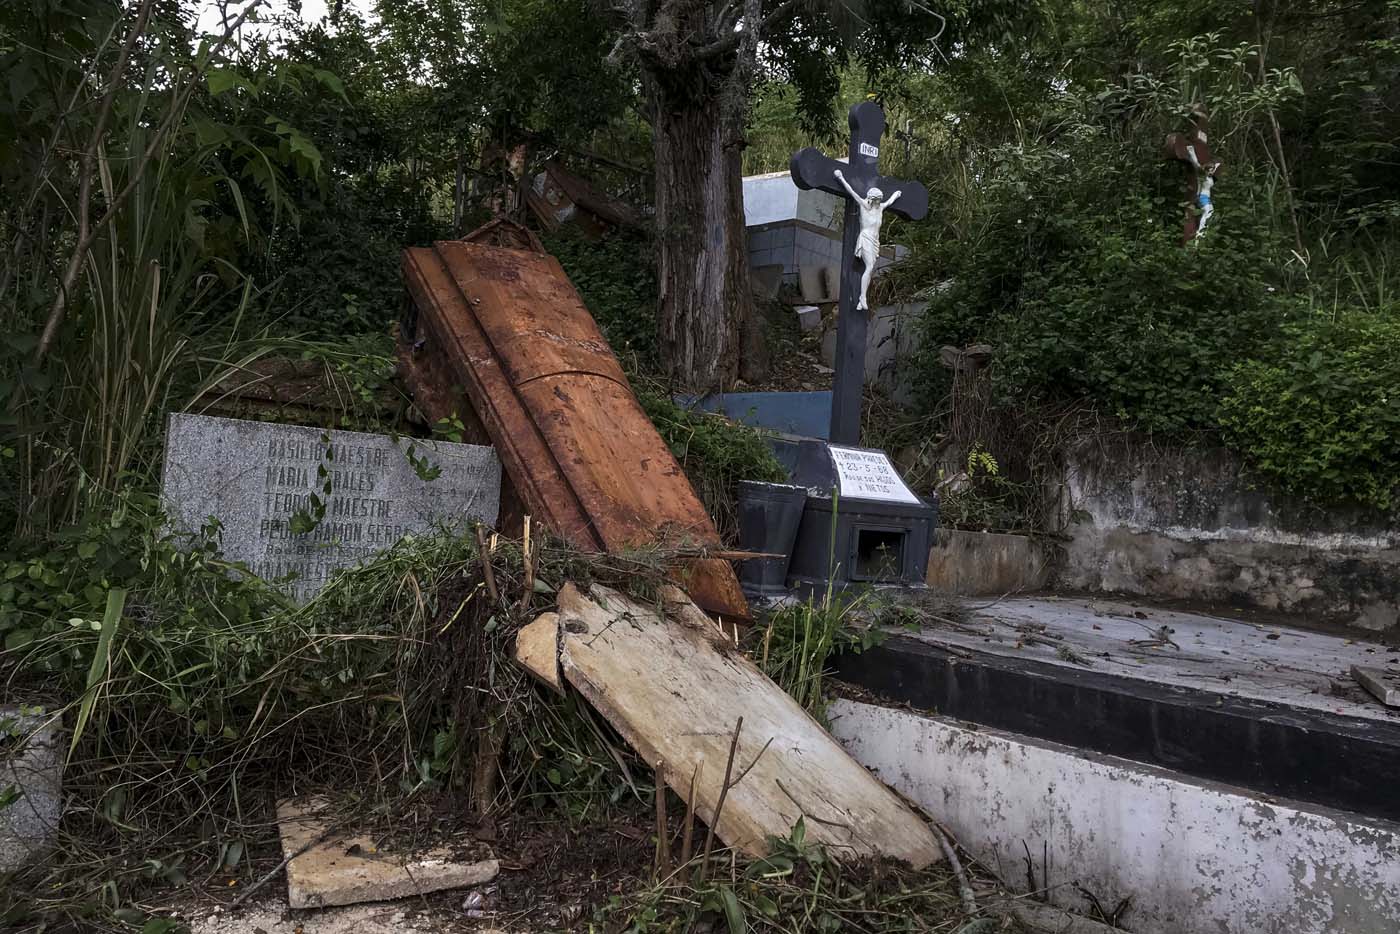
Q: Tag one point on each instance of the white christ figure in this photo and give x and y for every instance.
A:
(1203, 187)
(872, 215)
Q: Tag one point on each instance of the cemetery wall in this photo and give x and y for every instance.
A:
(1181, 523)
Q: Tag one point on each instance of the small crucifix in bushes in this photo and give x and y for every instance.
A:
(1193, 148)
(867, 194)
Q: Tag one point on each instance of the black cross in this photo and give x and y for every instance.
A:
(810, 169)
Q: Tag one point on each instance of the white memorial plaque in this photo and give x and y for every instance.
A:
(869, 475)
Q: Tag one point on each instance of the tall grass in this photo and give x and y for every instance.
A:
(204, 696)
(108, 259)
(800, 638)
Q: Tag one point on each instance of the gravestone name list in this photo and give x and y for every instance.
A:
(299, 503)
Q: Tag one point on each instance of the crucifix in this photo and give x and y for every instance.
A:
(867, 194)
(1193, 148)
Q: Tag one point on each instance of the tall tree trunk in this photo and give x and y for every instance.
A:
(703, 269)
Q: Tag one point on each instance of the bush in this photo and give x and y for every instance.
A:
(1076, 277)
(1320, 418)
(197, 696)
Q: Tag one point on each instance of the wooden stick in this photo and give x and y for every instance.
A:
(688, 837)
(528, 557)
(744, 555)
(945, 840)
(486, 571)
(663, 830)
(486, 768)
(723, 793)
(257, 886)
(749, 768)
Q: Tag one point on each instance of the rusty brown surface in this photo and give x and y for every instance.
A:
(505, 329)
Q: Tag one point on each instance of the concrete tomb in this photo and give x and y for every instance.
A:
(297, 504)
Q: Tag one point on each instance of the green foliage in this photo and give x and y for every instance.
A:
(426, 99)
(124, 255)
(1077, 279)
(982, 498)
(714, 452)
(545, 68)
(359, 369)
(53, 596)
(1056, 238)
(208, 684)
(799, 640)
(797, 887)
(1319, 417)
(390, 144)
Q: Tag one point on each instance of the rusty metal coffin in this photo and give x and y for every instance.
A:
(506, 328)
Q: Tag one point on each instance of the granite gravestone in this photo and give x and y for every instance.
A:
(297, 503)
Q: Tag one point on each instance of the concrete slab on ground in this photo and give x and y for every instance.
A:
(1259, 706)
(1272, 663)
(273, 916)
(330, 868)
(1194, 857)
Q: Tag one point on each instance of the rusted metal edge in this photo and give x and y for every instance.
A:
(555, 503)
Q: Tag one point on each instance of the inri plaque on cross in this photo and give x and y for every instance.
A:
(857, 178)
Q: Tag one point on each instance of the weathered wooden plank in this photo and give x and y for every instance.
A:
(675, 688)
(537, 649)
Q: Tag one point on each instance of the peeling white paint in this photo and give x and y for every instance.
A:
(1196, 857)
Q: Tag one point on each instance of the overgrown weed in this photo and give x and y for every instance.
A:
(799, 640)
(798, 887)
(208, 695)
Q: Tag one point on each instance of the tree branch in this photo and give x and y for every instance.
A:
(87, 232)
(85, 166)
(730, 41)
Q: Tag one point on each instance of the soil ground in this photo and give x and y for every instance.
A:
(552, 878)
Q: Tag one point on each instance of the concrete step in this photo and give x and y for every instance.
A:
(1263, 707)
